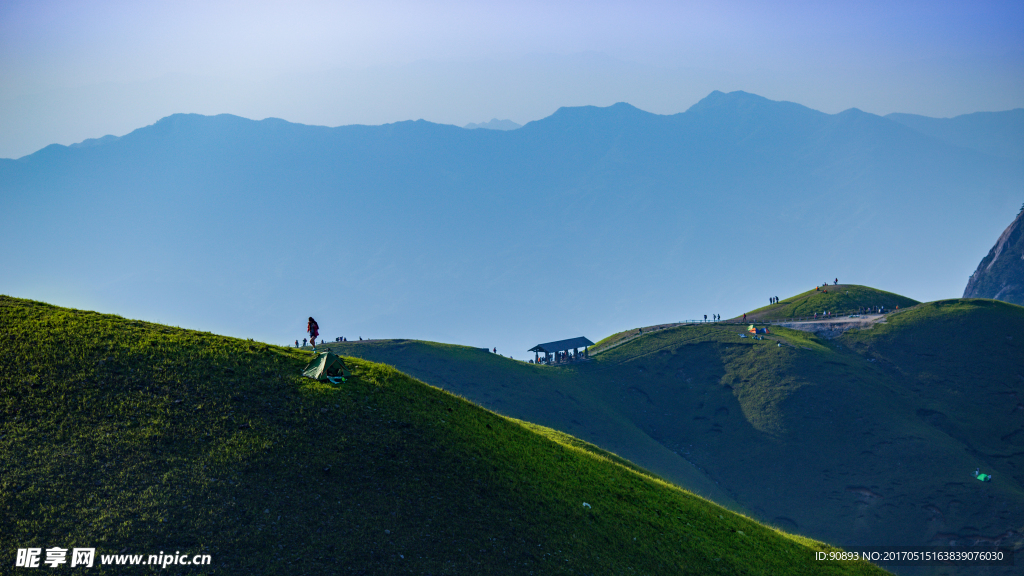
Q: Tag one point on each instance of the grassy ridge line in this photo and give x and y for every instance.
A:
(620, 338)
(655, 342)
(839, 299)
(138, 437)
(560, 397)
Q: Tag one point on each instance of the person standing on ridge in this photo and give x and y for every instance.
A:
(314, 330)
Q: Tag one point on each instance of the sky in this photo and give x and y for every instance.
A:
(77, 70)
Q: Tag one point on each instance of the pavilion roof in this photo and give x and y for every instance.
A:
(559, 345)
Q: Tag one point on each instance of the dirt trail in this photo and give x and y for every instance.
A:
(833, 327)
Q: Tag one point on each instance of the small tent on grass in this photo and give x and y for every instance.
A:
(327, 366)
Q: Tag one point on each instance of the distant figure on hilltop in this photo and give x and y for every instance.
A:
(303, 342)
(314, 330)
(296, 343)
(837, 282)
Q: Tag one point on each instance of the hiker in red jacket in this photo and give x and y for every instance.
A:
(313, 329)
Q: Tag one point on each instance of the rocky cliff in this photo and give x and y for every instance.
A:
(1001, 274)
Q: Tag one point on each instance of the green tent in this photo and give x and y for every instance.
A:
(327, 366)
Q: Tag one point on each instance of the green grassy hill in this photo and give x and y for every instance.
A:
(866, 439)
(137, 438)
(962, 363)
(838, 299)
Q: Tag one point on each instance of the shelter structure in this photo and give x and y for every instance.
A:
(558, 352)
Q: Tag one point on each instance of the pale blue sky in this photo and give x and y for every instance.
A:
(75, 70)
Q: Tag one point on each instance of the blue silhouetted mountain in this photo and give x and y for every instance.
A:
(995, 133)
(576, 224)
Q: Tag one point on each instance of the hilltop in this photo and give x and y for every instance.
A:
(869, 438)
(136, 438)
(841, 299)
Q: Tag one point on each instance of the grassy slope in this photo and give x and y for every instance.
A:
(841, 299)
(138, 437)
(559, 397)
(848, 440)
(962, 362)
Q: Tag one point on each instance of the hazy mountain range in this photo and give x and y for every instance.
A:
(586, 222)
(494, 124)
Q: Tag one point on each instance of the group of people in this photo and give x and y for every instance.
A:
(314, 332)
(773, 300)
(714, 317)
(563, 356)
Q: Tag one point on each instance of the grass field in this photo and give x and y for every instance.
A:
(869, 438)
(842, 299)
(137, 438)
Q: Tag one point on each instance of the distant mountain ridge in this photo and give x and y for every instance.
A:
(494, 124)
(996, 133)
(576, 224)
(1000, 275)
